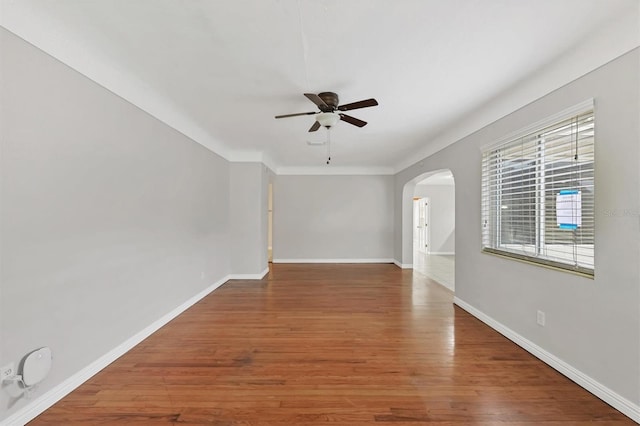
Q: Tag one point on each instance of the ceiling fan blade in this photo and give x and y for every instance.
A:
(360, 104)
(315, 126)
(295, 115)
(318, 101)
(352, 120)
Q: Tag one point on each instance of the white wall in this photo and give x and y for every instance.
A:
(441, 216)
(109, 218)
(591, 324)
(333, 218)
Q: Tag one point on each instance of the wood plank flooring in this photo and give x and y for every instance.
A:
(339, 344)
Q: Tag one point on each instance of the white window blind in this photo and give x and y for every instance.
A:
(538, 194)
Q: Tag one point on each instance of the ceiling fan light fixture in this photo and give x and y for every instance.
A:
(327, 119)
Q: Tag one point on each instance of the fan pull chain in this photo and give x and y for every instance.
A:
(328, 145)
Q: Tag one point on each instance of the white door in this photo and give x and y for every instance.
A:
(421, 223)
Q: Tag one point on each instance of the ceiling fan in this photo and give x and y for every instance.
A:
(331, 111)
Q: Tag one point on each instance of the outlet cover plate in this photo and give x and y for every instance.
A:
(7, 371)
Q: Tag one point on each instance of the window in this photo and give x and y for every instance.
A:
(538, 193)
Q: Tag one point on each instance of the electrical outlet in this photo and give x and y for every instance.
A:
(541, 318)
(7, 371)
(202, 275)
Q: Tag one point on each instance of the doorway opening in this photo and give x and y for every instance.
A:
(430, 249)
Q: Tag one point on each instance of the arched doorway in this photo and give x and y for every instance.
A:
(429, 226)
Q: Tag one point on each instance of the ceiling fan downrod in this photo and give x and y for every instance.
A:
(328, 145)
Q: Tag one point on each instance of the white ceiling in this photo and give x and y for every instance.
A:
(218, 71)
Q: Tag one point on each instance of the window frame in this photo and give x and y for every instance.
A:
(491, 237)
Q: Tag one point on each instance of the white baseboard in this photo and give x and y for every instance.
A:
(403, 265)
(259, 276)
(333, 261)
(443, 253)
(39, 405)
(626, 407)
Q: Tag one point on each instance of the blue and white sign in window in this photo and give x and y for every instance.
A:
(569, 209)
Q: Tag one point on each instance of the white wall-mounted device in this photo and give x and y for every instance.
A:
(36, 366)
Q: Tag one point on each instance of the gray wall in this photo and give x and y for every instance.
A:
(109, 218)
(333, 217)
(249, 184)
(442, 222)
(592, 324)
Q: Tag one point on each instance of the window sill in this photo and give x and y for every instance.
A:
(549, 264)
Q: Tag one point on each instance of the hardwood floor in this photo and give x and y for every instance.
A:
(340, 344)
(440, 268)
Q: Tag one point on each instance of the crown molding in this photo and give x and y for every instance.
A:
(331, 170)
(603, 46)
(73, 53)
(611, 42)
(252, 157)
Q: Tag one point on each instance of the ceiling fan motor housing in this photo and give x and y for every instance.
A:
(331, 99)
